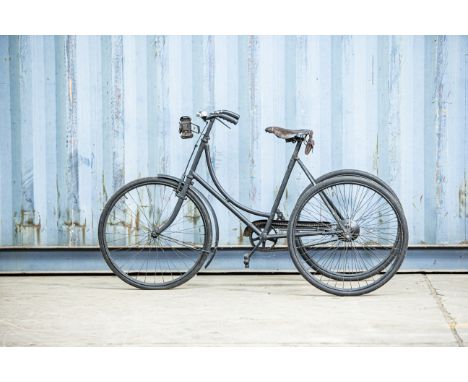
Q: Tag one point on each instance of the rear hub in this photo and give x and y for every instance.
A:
(351, 230)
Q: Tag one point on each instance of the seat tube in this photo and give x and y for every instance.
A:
(284, 183)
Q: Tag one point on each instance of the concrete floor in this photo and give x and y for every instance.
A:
(412, 309)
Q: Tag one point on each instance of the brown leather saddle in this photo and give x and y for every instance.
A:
(294, 136)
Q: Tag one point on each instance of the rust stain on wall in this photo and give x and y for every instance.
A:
(193, 214)
(29, 223)
(70, 90)
(241, 234)
(105, 196)
(462, 191)
(375, 156)
(72, 227)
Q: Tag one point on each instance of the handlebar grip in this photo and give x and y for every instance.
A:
(228, 118)
(230, 113)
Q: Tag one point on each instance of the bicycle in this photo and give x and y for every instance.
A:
(347, 234)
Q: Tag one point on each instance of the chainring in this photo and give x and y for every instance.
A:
(268, 244)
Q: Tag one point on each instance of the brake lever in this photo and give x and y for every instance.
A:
(219, 119)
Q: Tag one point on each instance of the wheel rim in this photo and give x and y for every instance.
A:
(371, 248)
(142, 255)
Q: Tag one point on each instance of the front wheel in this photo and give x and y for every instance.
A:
(134, 248)
(362, 240)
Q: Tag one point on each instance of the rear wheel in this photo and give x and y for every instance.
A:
(139, 254)
(359, 174)
(361, 253)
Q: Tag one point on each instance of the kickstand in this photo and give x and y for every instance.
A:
(247, 256)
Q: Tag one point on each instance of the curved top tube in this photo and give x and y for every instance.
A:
(223, 192)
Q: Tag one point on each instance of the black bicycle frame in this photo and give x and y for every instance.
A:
(230, 203)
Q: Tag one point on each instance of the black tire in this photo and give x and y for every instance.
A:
(348, 278)
(130, 219)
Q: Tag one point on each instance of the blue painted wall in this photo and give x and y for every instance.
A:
(82, 115)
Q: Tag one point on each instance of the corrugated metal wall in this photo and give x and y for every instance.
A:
(82, 115)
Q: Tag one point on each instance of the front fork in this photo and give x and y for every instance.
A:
(181, 195)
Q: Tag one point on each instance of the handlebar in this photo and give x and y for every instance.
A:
(227, 115)
(228, 118)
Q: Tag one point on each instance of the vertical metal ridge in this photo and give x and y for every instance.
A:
(253, 115)
(429, 143)
(393, 118)
(6, 195)
(290, 117)
(337, 102)
(72, 213)
(464, 192)
(117, 113)
(440, 99)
